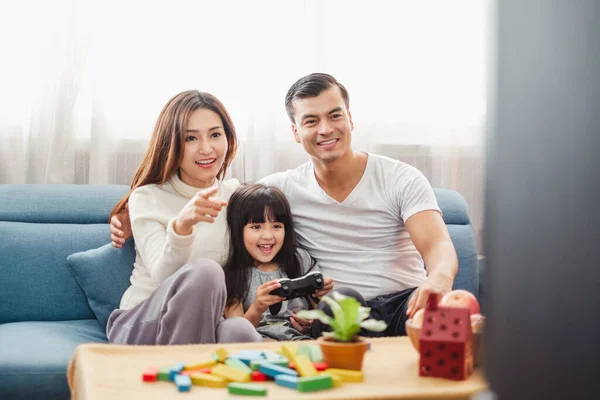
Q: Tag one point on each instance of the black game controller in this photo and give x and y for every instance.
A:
(300, 287)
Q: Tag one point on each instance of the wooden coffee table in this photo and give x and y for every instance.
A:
(104, 371)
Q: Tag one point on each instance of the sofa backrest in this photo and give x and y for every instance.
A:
(456, 216)
(40, 226)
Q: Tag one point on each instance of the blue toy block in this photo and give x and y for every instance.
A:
(175, 370)
(247, 356)
(183, 382)
(274, 370)
(287, 381)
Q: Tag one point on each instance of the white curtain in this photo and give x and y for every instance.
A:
(82, 82)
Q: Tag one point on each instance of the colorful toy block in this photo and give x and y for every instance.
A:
(175, 370)
(320, 366)
(164, 374)
(305, 350)
(238, 364)
(231, 374)
(289, 351)
(208, 380)
(287, 381)
(201, 364)
(150, 375)
(445, 342)
(337, 381)
(317, 355)
(304, 366)
(183, 382)
(255, 365)
(275, 358)
(247, 389)
(346, 375)
(196, 371)
(274, 370)
(314, 383)
(221, 354)
(258, 376)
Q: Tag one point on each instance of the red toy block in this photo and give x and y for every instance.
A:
(150, 375)
(446, 342)
(320, 366)
(258, 376)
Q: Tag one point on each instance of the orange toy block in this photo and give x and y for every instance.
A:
(196, 371)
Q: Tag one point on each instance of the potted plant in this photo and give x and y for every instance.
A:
(343, 347)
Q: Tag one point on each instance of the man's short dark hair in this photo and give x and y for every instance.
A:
(311, 86)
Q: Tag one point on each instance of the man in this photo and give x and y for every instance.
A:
(371, 222)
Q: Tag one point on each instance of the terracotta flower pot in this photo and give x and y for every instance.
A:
(345, 355)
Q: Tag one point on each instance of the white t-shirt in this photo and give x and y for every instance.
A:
(160, 251)
(361, 242)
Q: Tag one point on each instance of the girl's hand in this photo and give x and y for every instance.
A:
(327, 287)
(263, 299)
(300, 324)
(200, 208)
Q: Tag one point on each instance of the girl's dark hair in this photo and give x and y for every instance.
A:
(256, 203)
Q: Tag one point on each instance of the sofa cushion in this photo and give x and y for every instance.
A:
(103, 274)
(35, 356)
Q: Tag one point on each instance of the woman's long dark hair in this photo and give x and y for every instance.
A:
(256, 203)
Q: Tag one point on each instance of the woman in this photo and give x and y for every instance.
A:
(176, 207)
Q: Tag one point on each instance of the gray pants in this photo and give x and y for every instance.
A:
(186, 308)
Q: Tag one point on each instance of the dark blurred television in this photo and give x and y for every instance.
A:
(542, 233)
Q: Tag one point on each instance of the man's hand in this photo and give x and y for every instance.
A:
(263, 299)
(300, 324)
(120, 228)
(201, 208)
(327, 287)
(436, 283)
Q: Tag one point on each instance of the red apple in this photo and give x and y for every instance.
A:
(461, 298)
(417, 319)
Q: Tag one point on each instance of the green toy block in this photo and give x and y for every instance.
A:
(255, 364)
(317, 355)
(247, 389)
(164, 374)
(314, 383)
(238, 364)
(305, 350)
(275, 358)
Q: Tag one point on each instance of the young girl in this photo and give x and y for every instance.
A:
(262, 250)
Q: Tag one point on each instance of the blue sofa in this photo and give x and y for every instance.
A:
(46, 309)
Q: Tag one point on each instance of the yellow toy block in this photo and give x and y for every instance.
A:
(231, 374)
(222, 354)
(304, 366)
(209, 380)
(346, 375)
(202, 364)
(337, 381)
(289, 351)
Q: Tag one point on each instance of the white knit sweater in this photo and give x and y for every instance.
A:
(160, 251)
